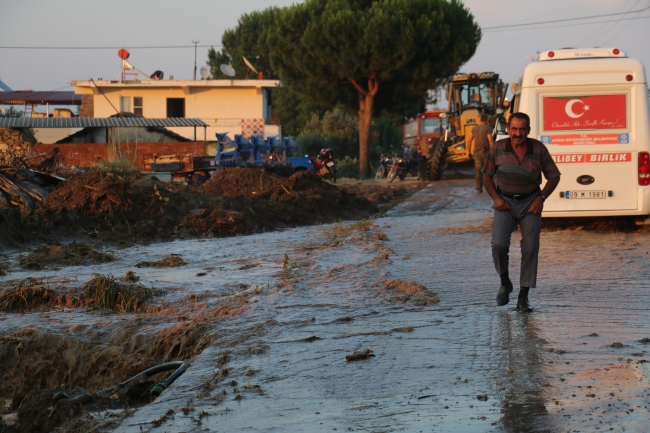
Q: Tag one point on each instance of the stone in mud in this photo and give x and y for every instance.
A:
(482, 397)
(617, 344)
(644, 340)
(359, 355)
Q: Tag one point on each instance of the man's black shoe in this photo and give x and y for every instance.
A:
(522, 302)
(503, 294)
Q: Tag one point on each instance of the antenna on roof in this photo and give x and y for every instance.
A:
(250, 66)
(205, 72)
(227, 70)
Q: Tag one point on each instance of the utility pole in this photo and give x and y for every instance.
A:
(195, 42)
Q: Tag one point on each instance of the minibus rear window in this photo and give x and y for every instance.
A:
(570, 113)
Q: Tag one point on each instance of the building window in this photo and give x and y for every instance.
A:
(125, 104)
(137, 105)
(175, 107)
(131, 104)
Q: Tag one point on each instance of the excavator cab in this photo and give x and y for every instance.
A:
(469, 96)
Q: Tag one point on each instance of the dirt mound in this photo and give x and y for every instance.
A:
(242, 182)
(91, 193)
(73, 254)
(254, 200)
(127, 207)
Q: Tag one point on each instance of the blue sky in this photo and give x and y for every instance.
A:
(129, 23)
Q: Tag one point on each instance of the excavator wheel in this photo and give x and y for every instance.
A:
(437, 160)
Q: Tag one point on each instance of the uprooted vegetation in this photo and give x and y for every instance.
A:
(170, 261)
(125, 295)
(412, 291)
(53, 375)
(126, 207)
(102, 291)
(74, 254)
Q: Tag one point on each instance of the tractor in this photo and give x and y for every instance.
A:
(469, 96)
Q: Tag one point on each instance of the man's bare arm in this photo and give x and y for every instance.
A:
(550, 186)
(490, 139)
(470, 139)
(537, 206)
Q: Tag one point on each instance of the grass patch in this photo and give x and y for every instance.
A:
(3, 269)
(171, 261)
(105, 291)
(342, 229)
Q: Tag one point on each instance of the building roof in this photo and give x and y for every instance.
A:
(84, 122)
(29, 97)
(167, 84)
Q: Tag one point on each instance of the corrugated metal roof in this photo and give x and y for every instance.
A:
(84, 122)
(27, 97)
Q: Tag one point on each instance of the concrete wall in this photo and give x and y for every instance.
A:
(85, 154)
(210, 103)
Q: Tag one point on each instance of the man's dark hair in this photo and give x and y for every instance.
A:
(520, 115)
(484, 117)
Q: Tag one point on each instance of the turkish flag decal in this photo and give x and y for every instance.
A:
(585, 112)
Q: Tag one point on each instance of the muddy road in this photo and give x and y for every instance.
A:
(268, 320)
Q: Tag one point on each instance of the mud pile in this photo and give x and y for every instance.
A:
(254, 200)
(126, 207)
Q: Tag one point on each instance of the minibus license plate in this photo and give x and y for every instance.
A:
(585, 194)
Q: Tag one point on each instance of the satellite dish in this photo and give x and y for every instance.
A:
(205, 72)
(227, 70)
(158, 75)
(249, 64)
(123, 54)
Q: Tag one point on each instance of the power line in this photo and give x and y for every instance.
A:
(565, 25)
(564, 20)
(108, 48)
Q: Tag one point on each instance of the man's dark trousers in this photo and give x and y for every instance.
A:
(531, 225)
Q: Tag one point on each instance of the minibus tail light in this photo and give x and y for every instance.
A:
(644, 168)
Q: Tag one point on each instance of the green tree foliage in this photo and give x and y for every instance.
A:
(293, 110)
(215, 60)
(368, 55)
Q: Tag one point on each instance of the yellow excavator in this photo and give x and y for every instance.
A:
(469, 96)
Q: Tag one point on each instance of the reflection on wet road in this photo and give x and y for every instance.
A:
(461, 365)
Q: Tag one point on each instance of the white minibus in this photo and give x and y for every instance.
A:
(590, 108)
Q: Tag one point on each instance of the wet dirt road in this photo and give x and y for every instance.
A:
(462, 364)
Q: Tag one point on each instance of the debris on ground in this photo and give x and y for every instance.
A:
(124, 207)
(74, 254)
(414, 292)
(105, 291)
(33, 293)
(25, 189)
(170, 261)
(482, 397)
(359, 355)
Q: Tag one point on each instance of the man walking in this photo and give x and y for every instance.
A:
(518, 162)
(482, 136)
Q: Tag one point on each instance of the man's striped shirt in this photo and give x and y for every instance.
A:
(519, 177)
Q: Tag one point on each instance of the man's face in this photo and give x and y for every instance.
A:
(518, 131)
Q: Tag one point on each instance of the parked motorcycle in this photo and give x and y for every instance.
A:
(398, 168)
(385, 163)
(324, 164)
